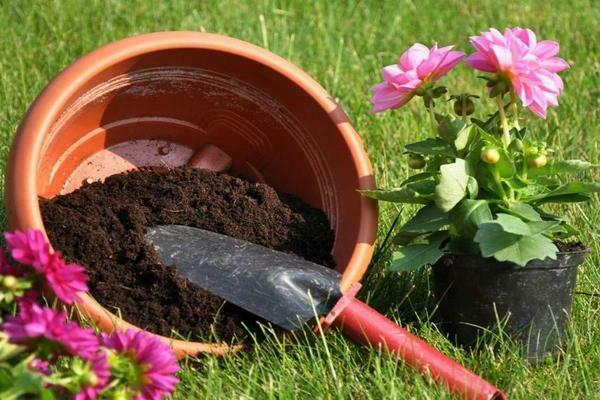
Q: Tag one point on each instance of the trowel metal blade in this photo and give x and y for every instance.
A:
(281, 288)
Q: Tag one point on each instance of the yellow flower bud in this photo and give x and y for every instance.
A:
(538, 162)
(490, 155)
(10, 282)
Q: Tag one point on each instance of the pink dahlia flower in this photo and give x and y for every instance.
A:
(417, 67)
(31, 248)
(36, 324)
(156, 361)
(530, 66)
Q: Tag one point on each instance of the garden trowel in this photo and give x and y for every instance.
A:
(289, 291)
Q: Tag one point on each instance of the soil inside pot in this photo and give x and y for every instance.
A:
(102, 226)
(563, 247)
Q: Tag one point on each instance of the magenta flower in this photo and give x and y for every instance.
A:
(417, 67)
(65, 280)
(99, 379)
(530, 66)
(156, 362)
(42, 367)
(35, 324)
(31, 248)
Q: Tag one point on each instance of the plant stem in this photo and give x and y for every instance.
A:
(524, 169)
(498, 183)
(464, 109)
(514, 107)
(504, 122)
(432, 118)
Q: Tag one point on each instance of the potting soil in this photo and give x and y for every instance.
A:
(102, 227)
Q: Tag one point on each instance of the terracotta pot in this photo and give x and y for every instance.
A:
(165, 99)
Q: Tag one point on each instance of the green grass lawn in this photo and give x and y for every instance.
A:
(342, 44)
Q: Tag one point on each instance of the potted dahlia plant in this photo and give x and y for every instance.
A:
(498, 254)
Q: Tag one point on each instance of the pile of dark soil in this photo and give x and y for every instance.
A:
(102, 226)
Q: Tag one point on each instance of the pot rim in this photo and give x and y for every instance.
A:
(21, 197)
(586, 250)
(512, 266)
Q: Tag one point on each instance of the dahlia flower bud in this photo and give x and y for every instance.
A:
(416, 161)
(490, 155)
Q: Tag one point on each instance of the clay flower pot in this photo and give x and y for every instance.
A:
(174, 98)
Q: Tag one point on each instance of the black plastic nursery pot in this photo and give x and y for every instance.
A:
(531, 303)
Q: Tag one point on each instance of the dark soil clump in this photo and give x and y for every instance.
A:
(567, 247)
(102, 226)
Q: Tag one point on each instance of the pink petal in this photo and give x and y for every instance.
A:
(480, 62)
(496, 36)
(523, 91)
(385, 92)
(428, 66)
(397, 103)
(390, 96)
(502, 57)
(552, 100)
(526, 36)
(548, 83)
(539, 97)
(555, 64)
(34, 329)
(407, 87)
(480, 44)
(515, 44)
(452, 58)
(546, 49)
(537, 110)
(414, 56)
(391, 72)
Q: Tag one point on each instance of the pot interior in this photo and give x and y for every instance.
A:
(162, 107)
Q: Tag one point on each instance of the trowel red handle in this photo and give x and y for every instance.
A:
(366, 326)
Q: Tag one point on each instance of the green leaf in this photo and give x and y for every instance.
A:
(453, 185)
(473, 158)
(413, 256)
(562, 167)
(432, 147)
(545, 227)
(417, 177)
(512, 224)
(464, 137)
(563, 231)
(567, 198)
(420, 192)
(468, 214)
(504, 246)
(403, 238)
(472, 187)
(569, 192)
(449, 127)
(401, 195)
(505, 165)
(427, 219)
(522, 210)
